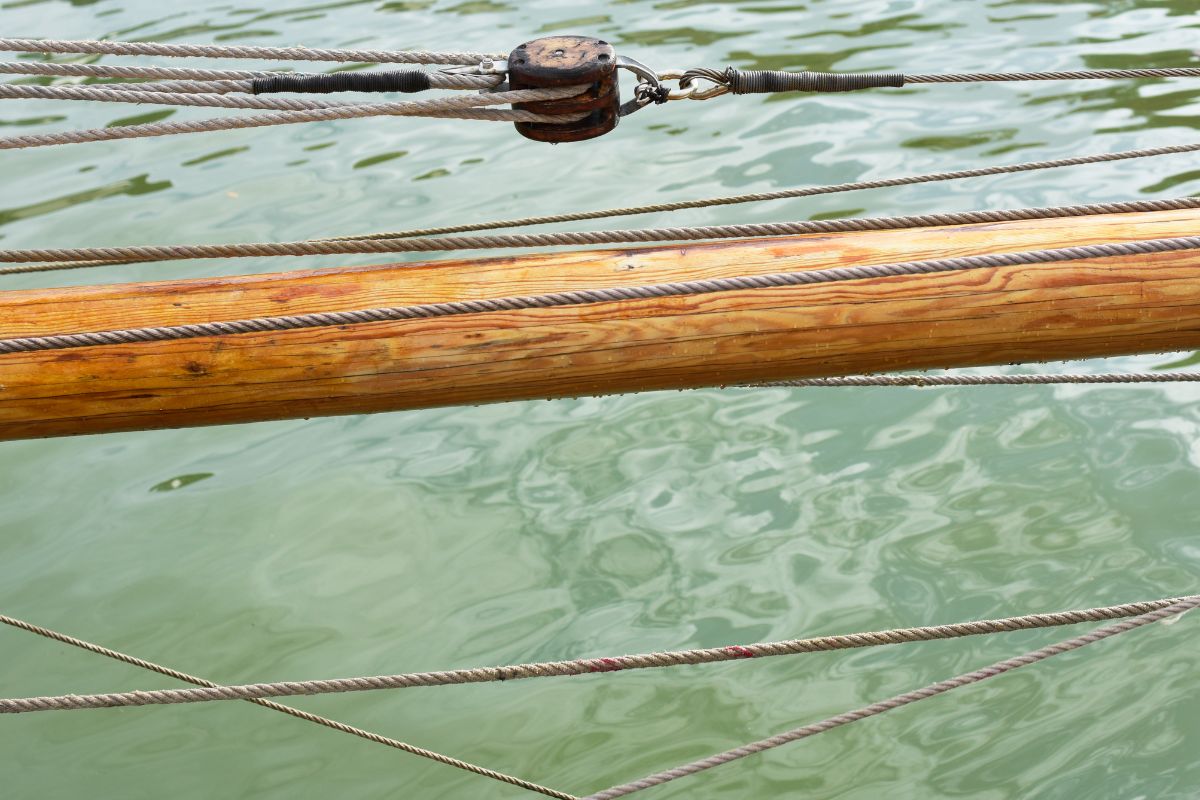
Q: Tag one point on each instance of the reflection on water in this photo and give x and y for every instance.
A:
(133, 187)
(529, 531)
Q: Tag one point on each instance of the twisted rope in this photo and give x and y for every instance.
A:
(294, 712)
(464, 107)
(108, 94)
(129, 71)
(560, 238)
(55, 266)
(581, 297)
(980, 380)
(711, 201)
(200, 80)
(194, 94)
(191, 87)
(1066, 75)
(240, 51)
(582, 666)
(808, 191)
(932, 690)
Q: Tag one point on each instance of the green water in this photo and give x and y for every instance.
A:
(545, 530)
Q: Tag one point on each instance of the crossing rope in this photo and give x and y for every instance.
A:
(785, 194)
(241, 89)
(875, 709)
(560, 238)
(293, 712)
(583, 666)
(1146, 613)
(808, 191)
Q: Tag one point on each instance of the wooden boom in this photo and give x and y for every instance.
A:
(1097, 307)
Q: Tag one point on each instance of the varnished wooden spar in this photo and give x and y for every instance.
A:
(1075, 309)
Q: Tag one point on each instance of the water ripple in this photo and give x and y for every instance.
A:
(528, 531)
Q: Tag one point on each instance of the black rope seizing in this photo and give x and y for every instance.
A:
(765, 81)
(390, 81)
(760, 81)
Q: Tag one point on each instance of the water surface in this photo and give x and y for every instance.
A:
(544, 530)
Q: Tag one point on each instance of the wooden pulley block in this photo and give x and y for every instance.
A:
(567, 61)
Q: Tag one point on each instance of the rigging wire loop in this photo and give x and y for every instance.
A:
(655, 90)
(687, 83)
(684, 92)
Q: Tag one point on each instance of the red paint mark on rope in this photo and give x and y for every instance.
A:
(740, 652)
(605, 665)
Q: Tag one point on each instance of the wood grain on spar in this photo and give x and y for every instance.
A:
(1083, 308)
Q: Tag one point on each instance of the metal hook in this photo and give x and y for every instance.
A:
(649, 89)
(643, 72)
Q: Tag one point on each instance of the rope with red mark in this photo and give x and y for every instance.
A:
(1159, 610)
(582, 666)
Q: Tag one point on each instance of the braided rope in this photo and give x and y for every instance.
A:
(200, 80)
(583, 666)
(463, 107)
(294, 712)
(560, 238)
(932, 690)
(239, 51)
(581, 297)
(980, 380)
